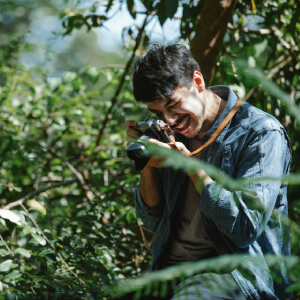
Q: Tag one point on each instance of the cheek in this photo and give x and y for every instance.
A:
(194, 109)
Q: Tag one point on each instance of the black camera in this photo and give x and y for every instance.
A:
(150, 128)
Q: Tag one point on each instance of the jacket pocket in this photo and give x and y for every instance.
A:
(227, 166)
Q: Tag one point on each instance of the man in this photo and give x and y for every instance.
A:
(191, 224)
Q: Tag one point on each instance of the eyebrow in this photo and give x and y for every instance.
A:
(169, 101)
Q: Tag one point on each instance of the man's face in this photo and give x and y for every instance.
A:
(184, 111)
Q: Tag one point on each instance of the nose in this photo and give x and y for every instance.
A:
(170, 118)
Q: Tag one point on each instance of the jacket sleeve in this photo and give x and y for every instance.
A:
(151, 216)
(236, 214)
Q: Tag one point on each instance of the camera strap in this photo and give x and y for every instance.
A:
(216, 133)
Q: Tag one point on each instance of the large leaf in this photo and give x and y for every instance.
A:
(39, 239)
(11, 216)
(23, 252)
(7, 265)
(171, 8)
(38, 206)
(12, 275)
(131, 8)
(225, 263)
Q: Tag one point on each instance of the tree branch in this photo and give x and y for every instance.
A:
(209, 34)
(37, 192)
(126, 71)
(275, 70)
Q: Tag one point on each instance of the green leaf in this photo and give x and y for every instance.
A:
(293, 24)
(171, 8)
(109, 5)
(69, 77)
(258, 77)
(23, 252)
(11, 216)
(38, 206)
(131, 8)
(93, 74)
(39, 239)
(12, 275)
(4, 252)
(53, 83)
(45, 252)
(7, 265)
(162, 16)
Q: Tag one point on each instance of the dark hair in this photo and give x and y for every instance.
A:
(161, 70)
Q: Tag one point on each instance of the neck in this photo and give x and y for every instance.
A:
(213, 108)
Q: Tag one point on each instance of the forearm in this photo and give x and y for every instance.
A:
(149, 186)
(200, 179)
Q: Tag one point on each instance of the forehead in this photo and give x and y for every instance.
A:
(160, 103)
(154, 105)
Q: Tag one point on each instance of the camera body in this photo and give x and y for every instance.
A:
(150, 128)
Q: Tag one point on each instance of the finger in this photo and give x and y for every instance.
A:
(161, 144)
(131, 123)
(181, 147)
(130, 132)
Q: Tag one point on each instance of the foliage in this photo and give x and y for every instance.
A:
(165, 279)
(68, 225)
(78, 229)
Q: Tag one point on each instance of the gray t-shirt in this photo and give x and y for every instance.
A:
(188, 241)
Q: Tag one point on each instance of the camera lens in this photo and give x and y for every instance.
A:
(140, 153)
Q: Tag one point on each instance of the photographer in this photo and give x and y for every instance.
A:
(241, 140)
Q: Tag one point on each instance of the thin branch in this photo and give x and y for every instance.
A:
(84, 187)
(272, 31)
(275, 70)
(262, 31)
(37, 192)
(6, 245)
(118, 90)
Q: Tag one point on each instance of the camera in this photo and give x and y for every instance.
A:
(150, 128)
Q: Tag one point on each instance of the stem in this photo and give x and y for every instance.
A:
(126, 71)
(30, 195)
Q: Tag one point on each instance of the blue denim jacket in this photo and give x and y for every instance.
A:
(252, 144)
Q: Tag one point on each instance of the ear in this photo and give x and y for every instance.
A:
(199, 81)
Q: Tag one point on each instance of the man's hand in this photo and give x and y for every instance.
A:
(130, 131)
(157, 162)
(153, 162)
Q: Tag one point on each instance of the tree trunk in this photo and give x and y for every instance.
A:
(210, 30)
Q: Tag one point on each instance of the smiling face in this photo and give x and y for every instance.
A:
(185, 110)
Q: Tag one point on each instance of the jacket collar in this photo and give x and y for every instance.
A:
(227, 94)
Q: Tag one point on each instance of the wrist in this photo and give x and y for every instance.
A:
(147, 171)
(200, 179)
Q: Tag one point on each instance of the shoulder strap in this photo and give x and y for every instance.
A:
(217, 132)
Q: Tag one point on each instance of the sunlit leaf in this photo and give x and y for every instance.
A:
(12, 275)
(11, 216)
(23, 252)
(4, 252)
(37, 205)
(39, 239)
(7, 265)
(69, 77)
